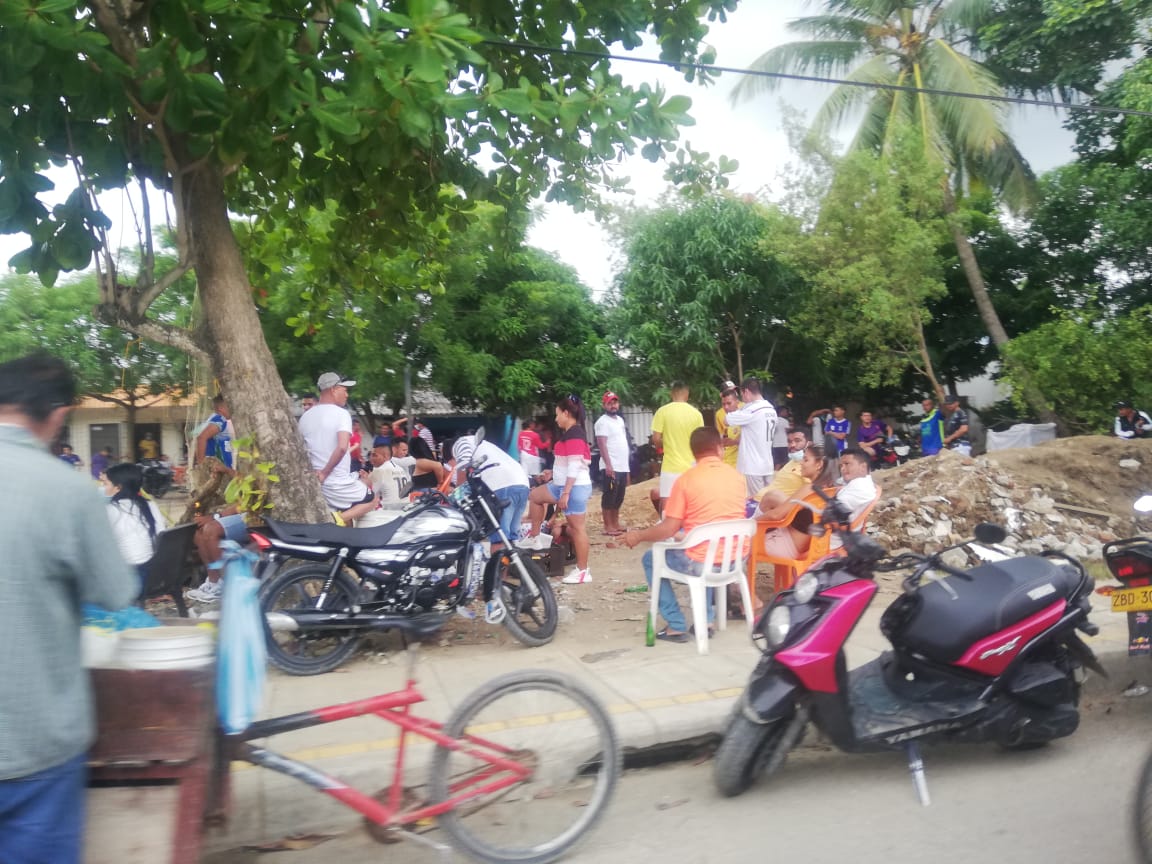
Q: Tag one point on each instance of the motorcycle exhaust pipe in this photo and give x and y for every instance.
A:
(278, 622)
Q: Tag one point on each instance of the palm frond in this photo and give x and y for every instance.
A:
(847, 98)
(975, 125)
(840, 27)
(962, 16)
(1007, 171)
(832, 58)
(876, 10)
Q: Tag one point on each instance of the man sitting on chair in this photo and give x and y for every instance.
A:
(709, 491)
(859, 490)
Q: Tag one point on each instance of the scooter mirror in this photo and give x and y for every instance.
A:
(1143, 504)
(479, 435)
(990, 532)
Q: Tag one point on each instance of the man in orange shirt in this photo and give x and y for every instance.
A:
(709, 491)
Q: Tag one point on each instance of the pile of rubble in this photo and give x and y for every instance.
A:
(934, 502)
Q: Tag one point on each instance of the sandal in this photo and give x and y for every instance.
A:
(672, 637)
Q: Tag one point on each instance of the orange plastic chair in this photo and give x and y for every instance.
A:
(786, 569)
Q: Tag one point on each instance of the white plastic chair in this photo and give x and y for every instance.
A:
(729, 543)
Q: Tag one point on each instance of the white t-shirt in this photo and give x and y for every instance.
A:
(780, 433)
(499, 470)
(856, 495)
(321, 426)
(756, 420)
(391, 483)
(131, 531)
(612, 429)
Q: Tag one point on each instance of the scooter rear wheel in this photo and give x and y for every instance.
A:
(750, 750)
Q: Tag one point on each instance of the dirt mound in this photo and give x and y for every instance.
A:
(1072, 494)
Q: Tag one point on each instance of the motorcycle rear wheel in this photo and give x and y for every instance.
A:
(299, 652)
(748, 751)
(532, 620)
(1142, 813)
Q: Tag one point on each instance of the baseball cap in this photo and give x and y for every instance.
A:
(1123, 403)
(951, 399)
(608, 397)
(332, 379)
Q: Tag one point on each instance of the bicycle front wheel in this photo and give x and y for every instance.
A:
(560, 732)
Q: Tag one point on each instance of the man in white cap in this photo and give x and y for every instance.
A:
(327, 431)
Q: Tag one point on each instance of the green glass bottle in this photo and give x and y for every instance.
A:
(650, 634)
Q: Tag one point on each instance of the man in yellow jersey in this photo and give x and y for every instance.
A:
(788, 480)
(729, 435)
(672, 427)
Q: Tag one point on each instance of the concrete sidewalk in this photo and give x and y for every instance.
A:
(658, 695)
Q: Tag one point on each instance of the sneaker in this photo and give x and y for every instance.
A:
(577, 577)
(535, 544)
(209, 592)
(494, 611)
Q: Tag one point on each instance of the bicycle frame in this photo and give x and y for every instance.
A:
(395, 707)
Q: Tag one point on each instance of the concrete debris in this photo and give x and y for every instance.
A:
(1130, 464)
(931, 503)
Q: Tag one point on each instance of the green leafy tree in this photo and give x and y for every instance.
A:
(110, 364)
(1086, 361)
(274, 109)
(1040, 46)
(916, 44)
(703, 297)
(873, 266)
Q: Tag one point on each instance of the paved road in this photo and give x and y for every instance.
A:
(1067, 802)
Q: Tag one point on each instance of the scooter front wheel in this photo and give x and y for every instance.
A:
(750, 750)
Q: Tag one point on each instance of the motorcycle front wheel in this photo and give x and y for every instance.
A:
(750, 750)
(1142, 811)
(531, 619)
(299, 652)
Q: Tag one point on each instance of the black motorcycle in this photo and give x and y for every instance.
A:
(158, 477)
(428, 563)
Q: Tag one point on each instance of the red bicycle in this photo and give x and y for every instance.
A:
(521, 771)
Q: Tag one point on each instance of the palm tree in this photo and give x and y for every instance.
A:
(915, 44)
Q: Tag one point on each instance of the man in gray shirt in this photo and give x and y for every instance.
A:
(58, 554)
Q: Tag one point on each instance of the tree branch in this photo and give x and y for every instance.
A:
(155, 331)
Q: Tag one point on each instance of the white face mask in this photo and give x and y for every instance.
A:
(796, 456)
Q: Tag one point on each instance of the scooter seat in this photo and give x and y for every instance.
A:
(334, 535)
(944, 618)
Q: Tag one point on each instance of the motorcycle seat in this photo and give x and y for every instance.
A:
(333, 535)
(943, 619)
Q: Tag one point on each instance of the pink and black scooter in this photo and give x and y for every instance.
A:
(988, 654)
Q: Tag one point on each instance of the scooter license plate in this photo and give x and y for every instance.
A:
(1132, 600)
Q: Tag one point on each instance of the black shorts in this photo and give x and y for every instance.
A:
(613, 491)
(779, 456)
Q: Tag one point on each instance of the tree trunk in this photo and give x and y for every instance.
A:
(1031, 393)
(241, 359)
(929, 369)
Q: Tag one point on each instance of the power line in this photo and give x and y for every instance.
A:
(815, 79)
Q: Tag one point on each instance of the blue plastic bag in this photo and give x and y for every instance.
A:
(241, 651)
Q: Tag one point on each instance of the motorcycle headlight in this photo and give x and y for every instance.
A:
(779, 623)
(805, 588)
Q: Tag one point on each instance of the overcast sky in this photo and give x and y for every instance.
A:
(750, 132)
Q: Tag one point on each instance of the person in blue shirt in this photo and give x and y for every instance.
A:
(215, 437)
(931, 429)
(838, 426)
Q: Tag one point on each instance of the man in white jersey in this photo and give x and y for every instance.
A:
(327, 431)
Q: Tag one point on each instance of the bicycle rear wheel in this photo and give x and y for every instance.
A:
(558, 729)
